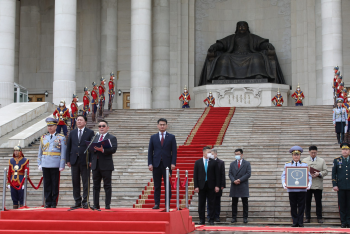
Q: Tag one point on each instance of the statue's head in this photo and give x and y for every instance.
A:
(242, 27)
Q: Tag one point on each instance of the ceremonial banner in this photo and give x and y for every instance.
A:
(297, 177)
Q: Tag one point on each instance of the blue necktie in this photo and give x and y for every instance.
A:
(206, 168)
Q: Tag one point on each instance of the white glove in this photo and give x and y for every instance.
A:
(284, 186)
(40, 168)
(8, 186)
(309, 186)
(61, 168)
(23, 187)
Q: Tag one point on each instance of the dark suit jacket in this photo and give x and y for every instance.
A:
(213, 174)
(105, 159)
(221, 165)
(167, 152)
(243, 173)
(76, 148)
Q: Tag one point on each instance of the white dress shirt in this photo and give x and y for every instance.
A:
(160, 135)
(82, 131)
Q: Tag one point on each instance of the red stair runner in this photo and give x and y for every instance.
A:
(209, 130)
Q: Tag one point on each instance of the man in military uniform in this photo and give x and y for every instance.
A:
(101, 96)
(210, 101)
(277, 100)
(86, 101)
(17, 166)
(340, 120)
(341, 183)
(185, 98)
(94, 102)
(52, 160)
(111, 91)
(296, 196)
(298, 95)
(74, 109)
(340, 86)
(62, 114)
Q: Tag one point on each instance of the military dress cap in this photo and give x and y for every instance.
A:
(340, 77)
(86, 89)
(345, 145)
(102, 79)
(185, 87)
(112, 74)
(75, 96)
(336, 68)
(296, 149)
(94, 83)
(340, 100)
(51, 121)
(338, 74)
(18, 148)
(345, 90)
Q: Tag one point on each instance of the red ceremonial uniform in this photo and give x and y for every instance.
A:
(339, 89)
(17, 166)
(86, 101)
(209, 101)
(298, 96)
(101, 91)
(64, 116)
(185, 97)
(277, 100)
(94, 97)
(111, 87)
(74, 109)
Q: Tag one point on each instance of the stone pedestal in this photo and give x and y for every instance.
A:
(240, 95)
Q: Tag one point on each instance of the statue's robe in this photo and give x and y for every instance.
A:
(241, 58)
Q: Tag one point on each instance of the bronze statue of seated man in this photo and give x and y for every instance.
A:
(242, 55)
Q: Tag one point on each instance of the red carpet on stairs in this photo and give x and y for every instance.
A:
(209, 130)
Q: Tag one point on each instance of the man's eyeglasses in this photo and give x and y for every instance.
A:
(101, 126)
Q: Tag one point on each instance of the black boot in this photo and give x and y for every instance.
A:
(15, 207)
(338, 138)
(341, 138)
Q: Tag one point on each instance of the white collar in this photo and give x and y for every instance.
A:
(81, 129)
(164, 133)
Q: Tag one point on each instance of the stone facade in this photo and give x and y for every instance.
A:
(297, 28)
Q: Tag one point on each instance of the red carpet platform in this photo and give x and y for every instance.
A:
(272, 229)
(129, 221)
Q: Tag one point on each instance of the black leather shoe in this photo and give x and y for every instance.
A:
(294, 225)
(307, 221)
(201, 222)
(217, 219)
(343, 226)
(319, 221)
(211, 222)
(245, 220)
(107, 207)
(301, 225)
(47, 206)
(96, 207)
(233, 220)
(156, 207)
(85, 206)
(76, 206)
(53, 206)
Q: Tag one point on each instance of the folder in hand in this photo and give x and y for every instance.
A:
(313, 170)
(105, 143)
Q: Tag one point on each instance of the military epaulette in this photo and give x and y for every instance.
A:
(338, 157)
(304, 162)
(288, 162)
(60, 134)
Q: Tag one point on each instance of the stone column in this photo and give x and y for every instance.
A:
(109, 40)
(161, 54)
(332, 45)
(7, 50)
(141, 57)
(64, 50)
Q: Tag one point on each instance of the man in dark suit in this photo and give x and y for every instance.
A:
(206, 177)
(217, 202)
(162, 152)
(239, 174)
(76, 159)
(102, 165)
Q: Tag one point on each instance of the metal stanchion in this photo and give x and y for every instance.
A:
(25, 188)
(4, 190)
(178, 189)
(167, 190)
(186, 196)
(43, 195)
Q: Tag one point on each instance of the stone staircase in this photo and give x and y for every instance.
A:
(265, 134)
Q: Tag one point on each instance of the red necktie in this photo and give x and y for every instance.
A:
(239, 164)
(101, 138)
(162, 140)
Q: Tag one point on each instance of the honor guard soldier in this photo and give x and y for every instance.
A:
(17, 166)
(343, 94)
(52, 160)
(340, 120)
(101, 96)
(111, 91)
(94, 102)
(340, 87)
(341, 183)
(185, 98)
(210, 101)
(62, 114)
(298, 95)
(86, 101)
(74, 109)
(296, 196)
(277, 100)
(346, 105)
